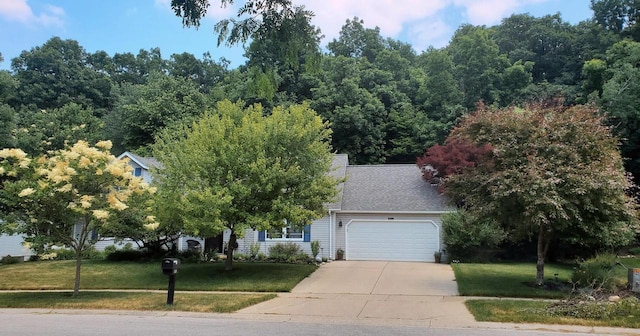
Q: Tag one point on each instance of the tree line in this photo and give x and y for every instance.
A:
(386, 103)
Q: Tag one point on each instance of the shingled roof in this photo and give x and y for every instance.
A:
(393, 188)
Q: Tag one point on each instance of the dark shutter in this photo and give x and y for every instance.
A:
(307, 233)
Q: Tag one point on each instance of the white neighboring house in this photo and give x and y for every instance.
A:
(142, 168)
(13, 246)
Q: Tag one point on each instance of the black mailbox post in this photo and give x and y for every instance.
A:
(170, 267)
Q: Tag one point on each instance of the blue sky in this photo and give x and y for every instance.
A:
(131, 25)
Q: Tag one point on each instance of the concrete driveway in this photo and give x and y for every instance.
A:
(407, 293)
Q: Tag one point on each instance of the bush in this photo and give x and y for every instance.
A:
(315, 248)
(6, 260)
(92, 254)
(597, 273)
(287, 252)
(635, 251)
(468, 239)
(110, 249)
(64, 254)
(188, 256)
(254, 249)
(128, 255)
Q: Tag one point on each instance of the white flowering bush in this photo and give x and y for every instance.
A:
(61, 198)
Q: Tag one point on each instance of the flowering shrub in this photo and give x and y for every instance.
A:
(63, 198)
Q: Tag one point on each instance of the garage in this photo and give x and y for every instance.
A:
(392, 240)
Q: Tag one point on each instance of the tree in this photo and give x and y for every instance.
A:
(620, 99)
(438, 93)
(618, 16)
(357, 41)
(38, 131)
(554, 173)
(548, 42)
(277, 28)
(478, 65)
(58, 73)
(143, 110)
(63, 198)
(237, 169)
(7, 126)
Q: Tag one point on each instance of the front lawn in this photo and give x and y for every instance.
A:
(245, 277)
(515, 280)
(521, 311)
(508, 279)
(193, 302)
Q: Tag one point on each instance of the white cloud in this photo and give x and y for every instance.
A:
(20, 11)
(488, 12)
(389, 15)
(216, 12)
(422, 35)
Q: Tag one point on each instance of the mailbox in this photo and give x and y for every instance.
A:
(170, 266)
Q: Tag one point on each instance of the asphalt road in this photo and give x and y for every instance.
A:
(17, 322)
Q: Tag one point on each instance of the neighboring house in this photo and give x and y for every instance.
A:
(13, 246)
(142, 168)
(382, 212)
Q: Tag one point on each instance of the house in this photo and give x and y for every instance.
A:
(13, 245)
(142, 168)
(382, 212)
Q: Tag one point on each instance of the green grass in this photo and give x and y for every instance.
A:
(515, 279)
(522, 311)
(507, 279)
(194, 302)
(245, 277)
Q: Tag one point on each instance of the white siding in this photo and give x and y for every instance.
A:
(319, 231)
(104, 242)
(12, 245)
(183, 245)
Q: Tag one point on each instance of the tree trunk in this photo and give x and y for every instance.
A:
(79, 243)
(542, 248)
(233, 244)
(76, 285)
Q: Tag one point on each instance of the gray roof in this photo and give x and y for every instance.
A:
(393, 188)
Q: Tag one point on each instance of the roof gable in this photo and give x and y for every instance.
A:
(145, 162)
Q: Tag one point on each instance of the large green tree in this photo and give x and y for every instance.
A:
(237, 169)
(618, 16)
(555, 173)
(143, 110)
(58, 73)
(478, 65)
(621, 99)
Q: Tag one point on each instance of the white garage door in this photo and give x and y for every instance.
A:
(396, 240)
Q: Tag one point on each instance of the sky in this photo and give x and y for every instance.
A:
(118, 26)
